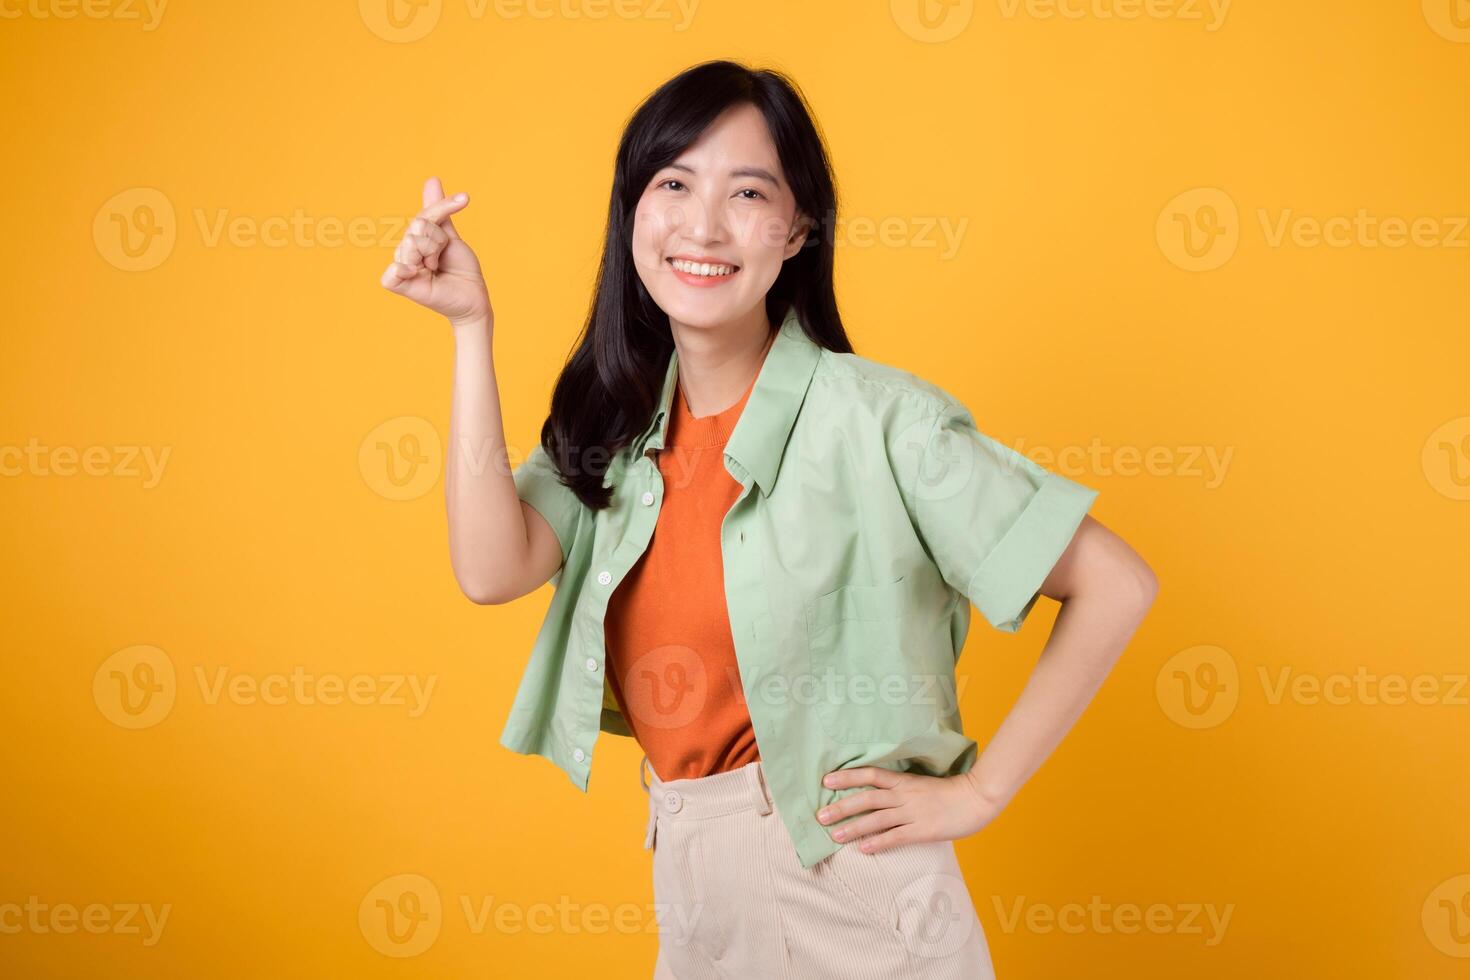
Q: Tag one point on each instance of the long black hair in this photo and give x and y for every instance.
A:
(609, 388)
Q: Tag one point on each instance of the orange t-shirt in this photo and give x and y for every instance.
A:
(670, 653)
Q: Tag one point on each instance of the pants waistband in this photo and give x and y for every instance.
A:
(703, 796)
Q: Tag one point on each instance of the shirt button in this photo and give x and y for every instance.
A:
(673, 801)
(591, 663)
(604, 577)
(579, 755)
(647, 497)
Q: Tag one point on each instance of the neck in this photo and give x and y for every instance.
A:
(717, 364)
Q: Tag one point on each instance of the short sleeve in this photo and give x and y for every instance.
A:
(539, 484)
(995, 521)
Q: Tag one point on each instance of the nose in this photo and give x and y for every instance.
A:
(700, 220)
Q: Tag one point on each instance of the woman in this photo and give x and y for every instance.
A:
(765, 549)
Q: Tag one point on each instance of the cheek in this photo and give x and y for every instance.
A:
(762, 236)
(650, 232)
(763, 250)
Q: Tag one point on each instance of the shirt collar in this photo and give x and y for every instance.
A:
(759, 438)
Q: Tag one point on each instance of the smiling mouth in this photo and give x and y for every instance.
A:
(704, 270)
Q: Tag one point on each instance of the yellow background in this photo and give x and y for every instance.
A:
(1331, 546)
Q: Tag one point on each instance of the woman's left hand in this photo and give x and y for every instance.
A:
(906, 807)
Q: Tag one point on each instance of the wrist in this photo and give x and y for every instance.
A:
(472, 326)
(990, 799)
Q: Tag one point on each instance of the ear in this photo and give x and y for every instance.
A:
(801, 226)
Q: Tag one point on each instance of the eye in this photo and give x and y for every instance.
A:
(752, 190)
(671, 180)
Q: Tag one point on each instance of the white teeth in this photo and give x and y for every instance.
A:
(703, 268)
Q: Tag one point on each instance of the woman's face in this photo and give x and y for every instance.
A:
(723, 202)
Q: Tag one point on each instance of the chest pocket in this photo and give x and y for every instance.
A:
(864, 687)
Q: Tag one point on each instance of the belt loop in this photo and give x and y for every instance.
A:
(757, 777)
(652, 831)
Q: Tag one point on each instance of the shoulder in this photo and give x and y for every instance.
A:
(884, 422)
(881, 413)
(850, 386)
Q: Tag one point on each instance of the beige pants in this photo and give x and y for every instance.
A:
(734, 903)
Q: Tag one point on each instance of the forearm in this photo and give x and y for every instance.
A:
(1090, 633)
(487, 528)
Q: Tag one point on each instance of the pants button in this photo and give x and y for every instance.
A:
(673, 801)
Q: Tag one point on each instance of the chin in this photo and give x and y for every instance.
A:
(697, 313)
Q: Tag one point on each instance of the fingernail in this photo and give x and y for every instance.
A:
(459, 197)
(829, 780)
(823, 815)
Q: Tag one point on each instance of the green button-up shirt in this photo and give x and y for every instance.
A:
(872, 513)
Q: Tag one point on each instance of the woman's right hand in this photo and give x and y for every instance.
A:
(434, 267)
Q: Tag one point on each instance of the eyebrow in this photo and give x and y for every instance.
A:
(757, 172)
